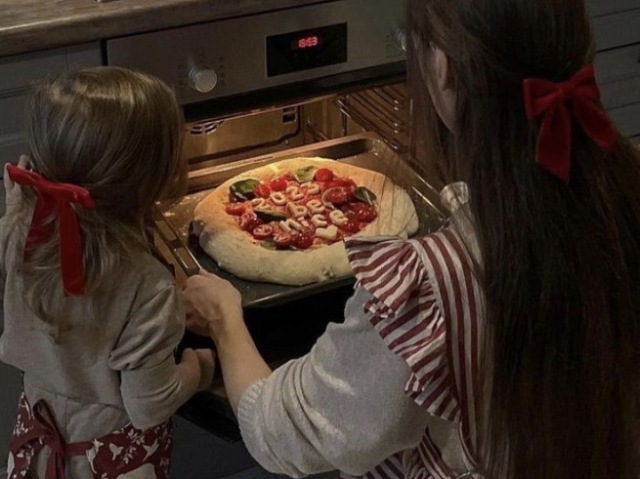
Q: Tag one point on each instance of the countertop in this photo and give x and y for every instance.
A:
(29, 25)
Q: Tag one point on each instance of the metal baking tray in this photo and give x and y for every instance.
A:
(173, 222)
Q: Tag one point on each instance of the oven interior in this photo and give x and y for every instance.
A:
(370, 135)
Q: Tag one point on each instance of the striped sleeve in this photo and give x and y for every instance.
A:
(460, 299)
(404, 311)
(391, 468)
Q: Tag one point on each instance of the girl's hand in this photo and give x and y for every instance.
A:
(212, 304)
(198, 365)
(207, 361)
(13, 192)
(197, 324)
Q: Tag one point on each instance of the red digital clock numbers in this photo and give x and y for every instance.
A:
(308, 42)
(301, 50)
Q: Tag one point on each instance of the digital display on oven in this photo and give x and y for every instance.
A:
(306, 49)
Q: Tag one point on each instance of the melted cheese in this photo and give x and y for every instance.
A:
(278, 198)
(338, 218)
(294, 193)
(313, 189)
(289, 225)
(297, 211)
(259, 204)
(319, 220)
(315, 206)
(328, 233)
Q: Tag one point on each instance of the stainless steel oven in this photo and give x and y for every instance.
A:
(326, 80)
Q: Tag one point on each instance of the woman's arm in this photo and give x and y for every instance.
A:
(342, 406)
(240, 361)
(214, 307)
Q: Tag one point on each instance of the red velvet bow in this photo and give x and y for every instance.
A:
(57, 196)
(553, 101)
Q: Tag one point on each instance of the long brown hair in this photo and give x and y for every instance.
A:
(560, 264)
(117, 133)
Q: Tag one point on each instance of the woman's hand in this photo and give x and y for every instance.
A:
(215, 306)
(212, 304)
(13, 192)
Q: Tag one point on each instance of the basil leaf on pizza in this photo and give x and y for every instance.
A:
(363, 194)
(285, 222)
(268, 215)
(243, 190)
(268, 244)
(305, 174)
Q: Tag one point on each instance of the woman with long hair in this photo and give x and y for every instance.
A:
(506, 345)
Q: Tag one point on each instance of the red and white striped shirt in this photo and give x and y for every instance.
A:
(426, 306)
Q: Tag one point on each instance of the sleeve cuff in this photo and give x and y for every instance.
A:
(151, 395)
(246, 408)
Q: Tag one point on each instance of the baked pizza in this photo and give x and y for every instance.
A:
(284, 222)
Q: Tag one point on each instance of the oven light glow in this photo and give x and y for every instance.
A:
(308, 42)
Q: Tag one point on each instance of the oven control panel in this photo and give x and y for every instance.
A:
(245, 54)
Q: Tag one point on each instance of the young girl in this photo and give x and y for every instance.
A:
(91, 317)
(506, 344)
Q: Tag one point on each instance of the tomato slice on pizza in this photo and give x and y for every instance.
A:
(306, 208)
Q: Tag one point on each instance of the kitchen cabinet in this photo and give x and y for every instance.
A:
(598, 8)
(615, 25)
(17, 74)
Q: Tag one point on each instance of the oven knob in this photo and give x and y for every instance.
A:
(203, 79)
(401, 39)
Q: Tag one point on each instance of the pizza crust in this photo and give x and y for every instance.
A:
(235, 250)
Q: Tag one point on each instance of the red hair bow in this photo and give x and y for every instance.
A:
(57, 196)
(556, 102)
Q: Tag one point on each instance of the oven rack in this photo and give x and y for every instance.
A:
(384, 110)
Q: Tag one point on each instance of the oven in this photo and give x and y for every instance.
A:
(326, 79)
